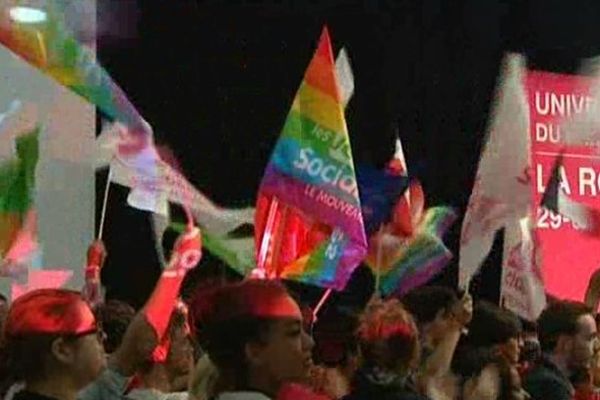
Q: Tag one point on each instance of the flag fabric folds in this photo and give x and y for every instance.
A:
(309, 224)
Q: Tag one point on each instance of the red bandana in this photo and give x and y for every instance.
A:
(50, 311)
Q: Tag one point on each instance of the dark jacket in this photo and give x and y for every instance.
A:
(546, 381)
(26, 395)
(365, 388)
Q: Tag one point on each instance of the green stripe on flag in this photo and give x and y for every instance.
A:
(238, 253)
(17, 176)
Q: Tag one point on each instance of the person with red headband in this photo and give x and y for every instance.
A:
(51, 342)
(253, 333)
(146, 333)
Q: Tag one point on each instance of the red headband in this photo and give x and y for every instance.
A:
(251, 298)
(50, 311)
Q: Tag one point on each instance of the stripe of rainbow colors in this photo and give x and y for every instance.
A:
(50, 47)
(424, 256)
(315, 128)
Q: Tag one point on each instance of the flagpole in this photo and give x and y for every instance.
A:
(321, 303)
(104, 202)
(267, 235)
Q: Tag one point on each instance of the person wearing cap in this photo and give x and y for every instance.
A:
(253, 333)
(52, 343)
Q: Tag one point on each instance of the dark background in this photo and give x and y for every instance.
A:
(216, 79)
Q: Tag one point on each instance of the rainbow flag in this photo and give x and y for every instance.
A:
(422, 256)
(17, 184)
(309, 225)
(52, 48)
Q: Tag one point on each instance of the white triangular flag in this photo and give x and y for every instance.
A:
(502, 189)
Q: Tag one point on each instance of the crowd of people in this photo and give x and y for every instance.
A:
(253, 340)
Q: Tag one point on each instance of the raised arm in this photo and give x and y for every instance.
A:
(150, 324)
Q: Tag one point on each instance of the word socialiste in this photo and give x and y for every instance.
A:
(326, 172)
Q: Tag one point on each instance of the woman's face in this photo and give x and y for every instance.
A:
(511, 350)
(286, 353)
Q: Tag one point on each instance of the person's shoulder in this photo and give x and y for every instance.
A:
(109, 385)
(543, 382)
(541, 372)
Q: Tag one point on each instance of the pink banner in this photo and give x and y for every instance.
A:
(569, 256)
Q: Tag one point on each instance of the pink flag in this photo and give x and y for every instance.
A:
(41, 279)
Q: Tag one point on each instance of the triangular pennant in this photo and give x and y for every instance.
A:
(309, 224)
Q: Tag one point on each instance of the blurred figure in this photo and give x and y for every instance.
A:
(432, 307)
(204, 379)
(531, 350)
(441, 317)
(3, 310)
(567, 333)
(491, 376)
(336, 352)
(160, 376)
(581, 379)
(389, 344)
(496, 329)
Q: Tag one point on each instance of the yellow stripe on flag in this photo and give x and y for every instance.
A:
(320, 108)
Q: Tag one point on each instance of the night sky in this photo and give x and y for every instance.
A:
(216, 79)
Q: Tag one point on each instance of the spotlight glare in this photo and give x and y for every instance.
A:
(27, 15)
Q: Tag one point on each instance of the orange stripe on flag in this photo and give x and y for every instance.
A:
(320, 75)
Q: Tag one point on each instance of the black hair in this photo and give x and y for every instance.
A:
(560, 318)
(114, 316)
(425, 302)
(492, 325)
(335, 342)
(224, 326)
